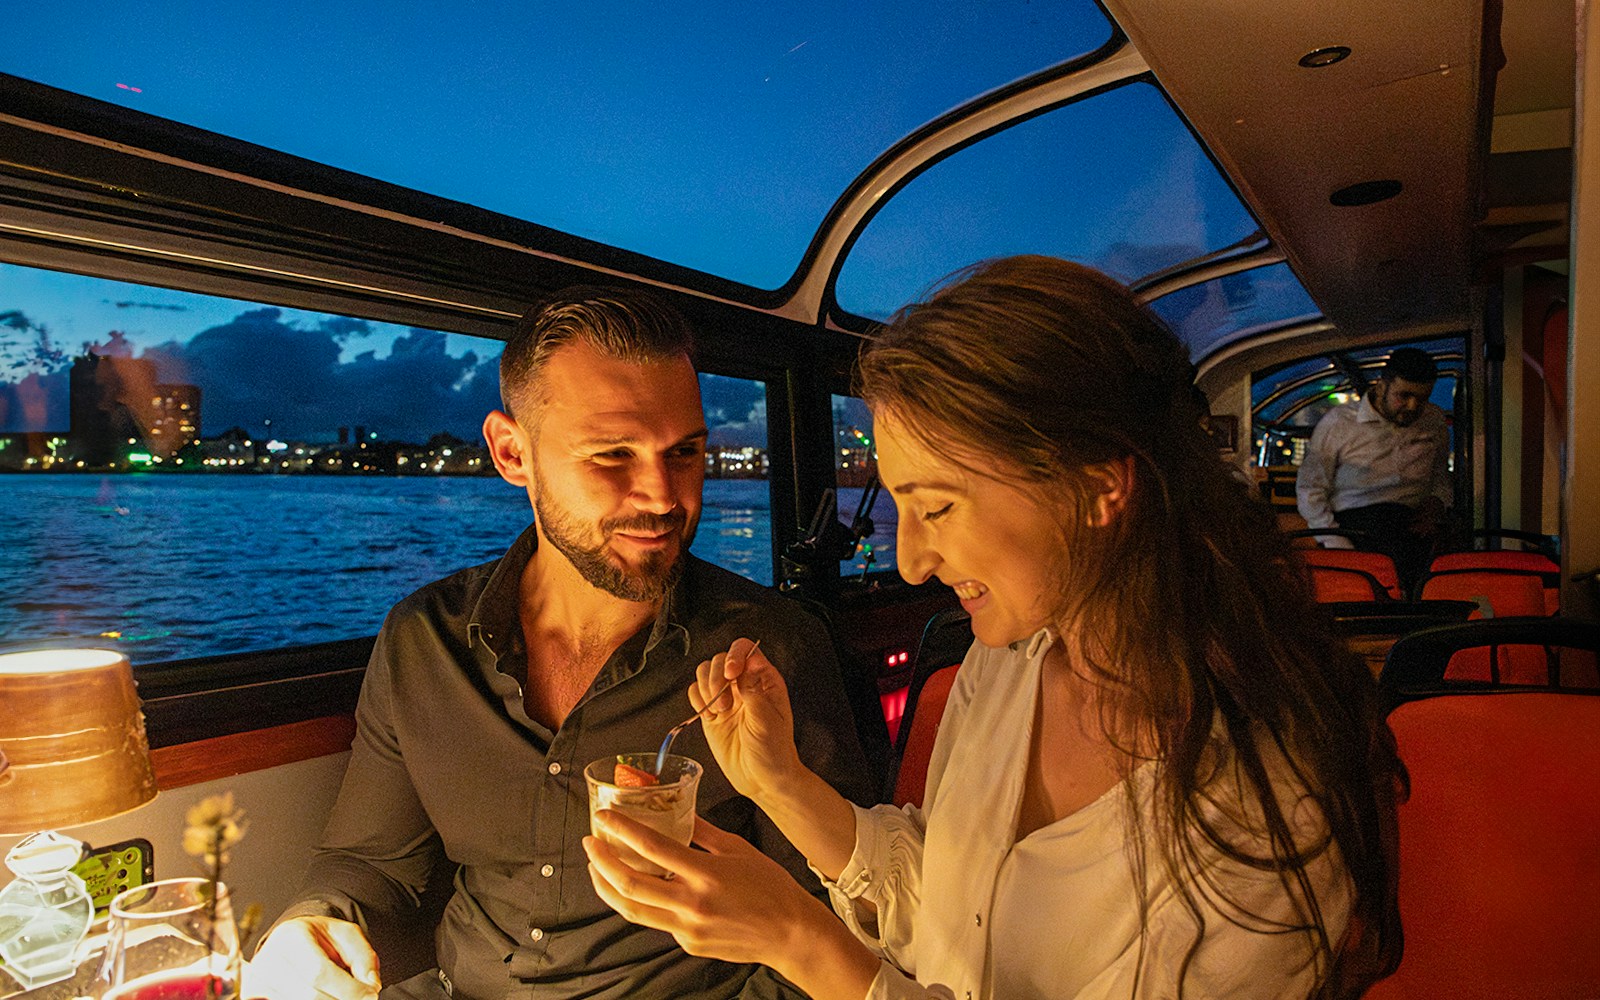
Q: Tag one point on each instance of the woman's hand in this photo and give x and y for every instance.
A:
(731, 903)
(750, 726)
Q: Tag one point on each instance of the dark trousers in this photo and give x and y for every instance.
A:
(1389, 524)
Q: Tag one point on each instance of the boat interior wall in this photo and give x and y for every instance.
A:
(286, 807)
(1580, 484)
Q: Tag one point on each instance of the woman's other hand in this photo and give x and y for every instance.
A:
(729, 902)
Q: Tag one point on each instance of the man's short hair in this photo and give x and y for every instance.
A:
(1411, 364)
(620, 323)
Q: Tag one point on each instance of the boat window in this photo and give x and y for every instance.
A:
(855, 469)
(193, 476)
(1116, 181)
(736, 519)
(1207, 315)
(715, 136)
(1288, 400)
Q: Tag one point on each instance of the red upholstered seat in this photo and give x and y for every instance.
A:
(1333, 584)
(1507, 594)
(1517, 561)
(1377, 564)
(911, 780)
(1499, 847)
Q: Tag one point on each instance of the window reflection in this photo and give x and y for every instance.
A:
(855, 468)
(1212, 313)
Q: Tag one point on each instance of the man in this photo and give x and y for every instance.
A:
(1379, 465)
(490, 691)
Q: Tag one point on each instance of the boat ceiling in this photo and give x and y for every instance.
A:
(819, 162)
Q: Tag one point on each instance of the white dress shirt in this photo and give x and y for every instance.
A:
(1358, 458)
(965, 910)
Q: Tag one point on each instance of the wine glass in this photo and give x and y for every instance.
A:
(171, 940)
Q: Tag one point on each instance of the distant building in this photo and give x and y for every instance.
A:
(736, 462)
(118, 409)
(233, 450)
(28, 451)
(176, 418)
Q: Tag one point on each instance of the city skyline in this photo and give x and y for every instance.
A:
(307, 373)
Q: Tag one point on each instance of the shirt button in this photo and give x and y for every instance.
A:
(555, 768)
(547, 871)
(537, 933)
(977, 918)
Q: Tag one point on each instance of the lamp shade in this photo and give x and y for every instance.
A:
(72, 739)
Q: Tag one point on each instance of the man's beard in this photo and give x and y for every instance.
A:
(647, 582)
(1381, 404)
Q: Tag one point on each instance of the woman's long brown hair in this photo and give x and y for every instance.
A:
(1189, 609)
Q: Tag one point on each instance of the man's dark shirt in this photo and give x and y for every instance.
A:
(447, 764)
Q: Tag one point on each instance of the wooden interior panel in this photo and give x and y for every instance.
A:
(238, 753)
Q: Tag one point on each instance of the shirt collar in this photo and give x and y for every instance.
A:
(1036, 643)
(494, 617)
(1366, 412)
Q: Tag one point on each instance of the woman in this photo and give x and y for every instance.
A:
(1158, 774)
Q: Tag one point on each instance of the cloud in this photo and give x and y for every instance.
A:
(16, 319)
(29, 350)
(258, 366)
(342, 328)
(163, 306)
(736, 411)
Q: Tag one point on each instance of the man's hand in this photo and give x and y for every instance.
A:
(316, 957)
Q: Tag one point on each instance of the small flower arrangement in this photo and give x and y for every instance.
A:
(212, 828)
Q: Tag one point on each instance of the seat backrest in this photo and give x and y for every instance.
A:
(920, 728)
(1370, 628)
(1338, 584)
(1499, 872)
(861, 690)
(1508, 593)
(1507, 559)
(1540, 650)
(945, 641)
(1377, 564)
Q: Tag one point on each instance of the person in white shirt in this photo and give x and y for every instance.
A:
(1158, 774)
(1380, 465)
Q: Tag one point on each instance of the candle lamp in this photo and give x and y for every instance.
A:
(72, 751)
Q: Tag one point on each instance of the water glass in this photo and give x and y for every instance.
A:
(667, 808)
(171, 940)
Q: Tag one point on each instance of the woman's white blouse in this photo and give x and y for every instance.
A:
(965, 910)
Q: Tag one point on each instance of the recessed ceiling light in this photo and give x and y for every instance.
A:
(1326, 56)
(1365, 193)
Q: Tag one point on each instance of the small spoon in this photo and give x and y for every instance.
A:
(672, 734)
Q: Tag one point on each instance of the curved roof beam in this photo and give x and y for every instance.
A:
(1114, 63)
(1205, 269)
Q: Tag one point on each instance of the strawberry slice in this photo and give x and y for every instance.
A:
(628, 776)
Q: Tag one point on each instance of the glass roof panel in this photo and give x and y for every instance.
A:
(1116, 181)
(1209, 314)
(712, 135)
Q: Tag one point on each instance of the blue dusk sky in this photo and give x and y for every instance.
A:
(715, 135)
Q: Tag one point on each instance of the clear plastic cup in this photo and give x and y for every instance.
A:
(667, 808)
